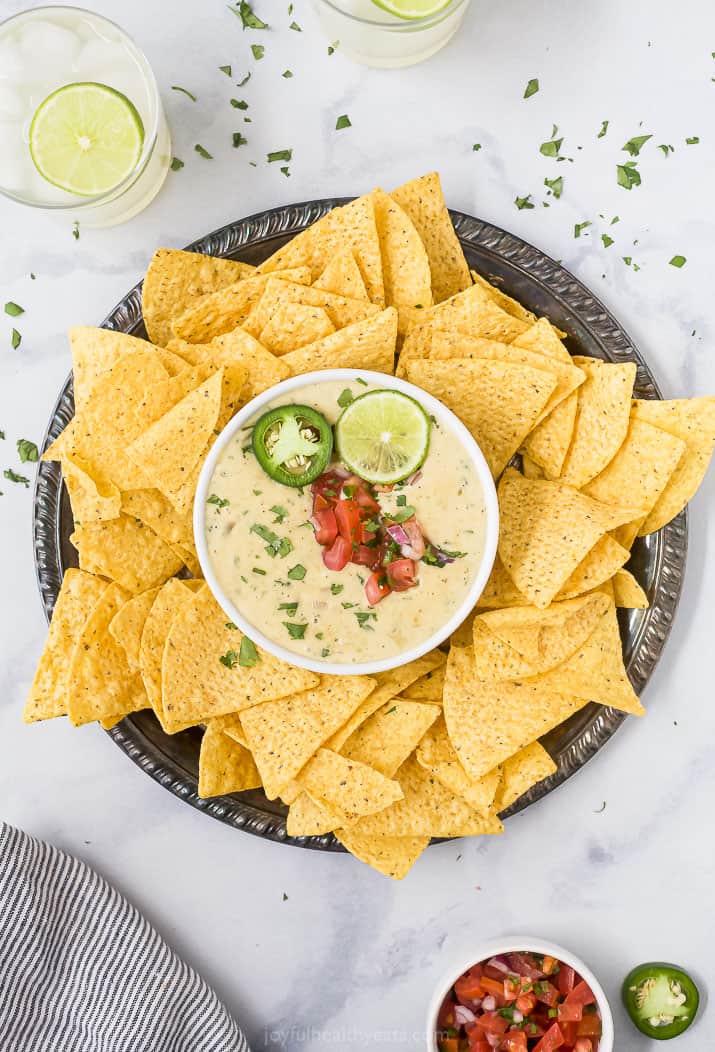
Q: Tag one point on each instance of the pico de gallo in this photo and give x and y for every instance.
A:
(519, 1002)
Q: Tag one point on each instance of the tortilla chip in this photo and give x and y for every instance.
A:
(221, 312)
(394, 856)
(153, 509)
(549, 442)
(345, 787)
(488, 722)
(530, 469)
(546, 530)
(127, 625)
(423, 201)
(520, 772)
(693, 421)
(602, 417)
(224, 765)
(499, 591)
(292, 325)
(342, 276)
(605, 558)
(474, 313)
(542, 338)
(641, 468)
(507, 303)
(125, 551)
(230, 724)
(238, 348)
(93, 499)
(437, 755)
(168, 451)
(197, 685)
(389, 736)
(427, 809)
(596, 671)
(307, 818)
(175, 279)
(156, 628)
(627, 592)
(94, 352)
(350, 227)
(279, 294)
(387, 686)
(79, 594)
(368, 344)
(497, 402)
(426, 688)
(284, 734)
(405, 266)
(100, 682)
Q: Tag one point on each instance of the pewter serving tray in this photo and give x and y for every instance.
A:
(544, 287)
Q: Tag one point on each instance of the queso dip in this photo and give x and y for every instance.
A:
(261, 540)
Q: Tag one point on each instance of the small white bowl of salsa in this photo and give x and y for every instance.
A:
(520, 995)
(276, 575)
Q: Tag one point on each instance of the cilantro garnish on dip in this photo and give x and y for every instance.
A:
(378, 506)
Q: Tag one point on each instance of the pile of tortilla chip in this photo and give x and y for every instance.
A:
(441, 746)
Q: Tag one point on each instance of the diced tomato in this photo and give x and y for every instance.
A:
(347, 516)
(547, 994)
(553, 1038)
(366, 502)
(566, 979)
(570, 1032)
(337, 556)
(477, 1041)
(377, 587)
(401, 575)
(491, 986)
(512, 989)
(445, 1016)
(583, 1044)
(550, 965)
(570, 1012)
(365, 555)
(493, 973)
(449, 1044)
(526, 1003)
(590, 1025)
(469, 986)
(515, 1042)
(325, 526)
(319, 502)
(523, 964)
(328, 485)
(491, 1022)
(582, 994)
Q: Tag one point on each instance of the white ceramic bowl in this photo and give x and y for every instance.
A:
(446, 419)
(518, 944)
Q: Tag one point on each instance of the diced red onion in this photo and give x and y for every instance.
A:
(489, 1003)
(517, 1016)
(314, 523)
(414, 478)
(398, 534)
(415, 547)
(499, 963)
(522, 966)
(463, 1015)
(494, 1040)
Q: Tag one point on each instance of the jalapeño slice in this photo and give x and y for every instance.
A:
(661, 999)
(293, 444)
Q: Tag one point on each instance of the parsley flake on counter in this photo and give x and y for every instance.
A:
(294, 631)
(184, 91)
(296, 27)
(607, 241)
(556, 186)
(14, 310)
(176, 165)
(226, 70)
(693, 140)
(249, 19)
(280, 155)
(628, 175)
(477, 147)
(287, 74)
(531, 88)
(297, 572)
(343, 121)
(286, 171)
(678, 261)
(244, 80)
(666, 149)
(15, 339)
(239, 104)
(248, 656)
(258, 51)
(552, 148)
(604, 129)
(636, 144)
(238, 140)
(523, 202)
(332, 48)
(578, 227)
(75, 231)
(27, 451)
(203, 151)
(12, 476)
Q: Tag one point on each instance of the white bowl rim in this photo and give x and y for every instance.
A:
(433, 406)
(521, 944)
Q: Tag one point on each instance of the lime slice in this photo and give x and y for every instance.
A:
(412, 8)
(86, 138)
(383, 436)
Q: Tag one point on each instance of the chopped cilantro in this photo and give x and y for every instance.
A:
(552, 148)
(287, 74)
(184, 91)
(628, 175)
(332, 48)
(230, 624)
(279, 512)
(275, 545)
(290, 608)
(297, 572)
(286, 171)
(607, 241)
(627, 260)
(402, 515)
(258, 570)
(248, 656)
(336, 589)
(556, 186)
(238, 140)
(258, 53)
(678, 261)
(229, 659)
(220, 502)
(359, 380)
(363, 616)
(176, 165)
(347, 606)
(12, 476)
(296, 27)
(578, 227)
(401, 500)
(14, 310)
(636, 144)
(249, 19)
(239, 104)
(693, 140)
(203, 151)
(666, 148)
(226, 70)
(477, 147)
(604, 129)
(27, 451)
(523, 202)
(343, 121)
(390, 711)
(616, 219)
(280, 155)
(295, 631)
(531, 88)
(75, 231)
(325, 651)
(15, 339)
(345, 397)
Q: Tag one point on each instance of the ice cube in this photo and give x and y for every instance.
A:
(12, 106)
(11, 61)
(14, 157)
(50, 47)
(97, 57)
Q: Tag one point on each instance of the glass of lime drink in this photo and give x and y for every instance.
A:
(82, 129)
(389, 33)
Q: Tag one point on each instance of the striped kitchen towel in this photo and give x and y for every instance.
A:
(82, 971)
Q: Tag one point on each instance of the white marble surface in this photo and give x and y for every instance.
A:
(350, 954)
